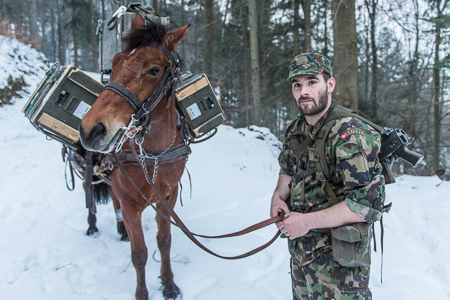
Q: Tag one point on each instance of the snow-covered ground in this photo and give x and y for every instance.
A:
(45, 253)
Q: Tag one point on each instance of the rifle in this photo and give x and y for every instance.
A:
(394, 145)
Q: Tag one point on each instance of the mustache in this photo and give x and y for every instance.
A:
(305, 98)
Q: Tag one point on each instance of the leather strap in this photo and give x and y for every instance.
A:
(88, 183)
(191, 235)
(126, 94)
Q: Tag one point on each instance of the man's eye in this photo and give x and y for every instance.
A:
(153, 71)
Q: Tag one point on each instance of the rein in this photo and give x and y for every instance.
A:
(192, 236)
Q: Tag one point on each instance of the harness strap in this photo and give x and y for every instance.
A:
(88, 183)
(125, 93)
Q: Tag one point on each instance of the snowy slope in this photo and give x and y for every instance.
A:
(18, 60)
(45, 253)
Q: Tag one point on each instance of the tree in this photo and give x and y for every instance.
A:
(371, 6)
(254, 57)
(209, 37)
(345, 53)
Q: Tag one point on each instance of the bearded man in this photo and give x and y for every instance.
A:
(329, 201)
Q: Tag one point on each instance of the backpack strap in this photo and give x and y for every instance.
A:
(320, 139)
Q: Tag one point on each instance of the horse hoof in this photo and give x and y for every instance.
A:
(122, 231)
(172, 293)
(91, 230)
(124, 238)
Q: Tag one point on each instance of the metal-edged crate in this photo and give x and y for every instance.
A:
(198, 103)
(59, 103)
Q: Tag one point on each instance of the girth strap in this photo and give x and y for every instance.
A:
(175, 154)
(125, 93)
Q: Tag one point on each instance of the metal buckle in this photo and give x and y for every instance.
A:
(322, 178)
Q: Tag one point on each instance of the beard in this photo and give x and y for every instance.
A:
(317, 108)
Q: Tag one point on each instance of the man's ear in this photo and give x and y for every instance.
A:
(331, 83)
(172, 38)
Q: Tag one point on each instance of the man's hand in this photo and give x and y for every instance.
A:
(294, 225)
(277, 207)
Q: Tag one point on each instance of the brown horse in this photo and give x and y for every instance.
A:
(139, 69)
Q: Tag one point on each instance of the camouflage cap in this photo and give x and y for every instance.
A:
(309, 63)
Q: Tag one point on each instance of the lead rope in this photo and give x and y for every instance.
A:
(183, 227)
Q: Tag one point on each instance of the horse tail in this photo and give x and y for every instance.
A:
(101, 193)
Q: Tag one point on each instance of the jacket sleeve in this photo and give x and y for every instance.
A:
(358, 167)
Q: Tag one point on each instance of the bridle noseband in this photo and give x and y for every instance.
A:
(140, 122)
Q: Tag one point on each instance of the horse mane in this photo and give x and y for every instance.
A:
(152, 32)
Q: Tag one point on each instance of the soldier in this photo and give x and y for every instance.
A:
(322, 211)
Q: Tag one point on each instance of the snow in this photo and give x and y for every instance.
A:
(45, 253)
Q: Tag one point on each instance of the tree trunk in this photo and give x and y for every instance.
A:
(75, 46)
(296, 34)
(53, 32)
(254, 60)
(296, 46)
(61, 42)
(94, 44)
(306, 4)
(345, 53)
(155, 5)
(103, 10)
(222, 55)
(182, 13)
(437, 91)
(33, 20)
(17, 16)
(209, 37)
(373, 100)
(325, 32)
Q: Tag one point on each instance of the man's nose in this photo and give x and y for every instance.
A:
(305, 91)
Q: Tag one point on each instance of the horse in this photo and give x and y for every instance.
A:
(139, 70)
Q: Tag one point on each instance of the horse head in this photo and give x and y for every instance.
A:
(138, 69)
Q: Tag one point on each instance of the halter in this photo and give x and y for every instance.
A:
(140, 122)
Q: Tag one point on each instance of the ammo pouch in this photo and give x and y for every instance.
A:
(351, 244)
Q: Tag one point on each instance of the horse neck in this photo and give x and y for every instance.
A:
(163, 129)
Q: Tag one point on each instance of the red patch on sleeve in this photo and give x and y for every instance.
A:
(343, 136)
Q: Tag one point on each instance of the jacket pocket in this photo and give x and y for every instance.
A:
(351, 244)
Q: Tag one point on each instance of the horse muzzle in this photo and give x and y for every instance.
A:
(99, 139)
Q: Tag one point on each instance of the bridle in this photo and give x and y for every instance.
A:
(140, 122)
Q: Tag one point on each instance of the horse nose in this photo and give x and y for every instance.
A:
(92, 138)
(98, 132)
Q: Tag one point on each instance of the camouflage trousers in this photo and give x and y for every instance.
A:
(326, 279)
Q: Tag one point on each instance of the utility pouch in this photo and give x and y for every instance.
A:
(351, 244)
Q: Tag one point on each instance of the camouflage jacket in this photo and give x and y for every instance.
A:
(351, 151)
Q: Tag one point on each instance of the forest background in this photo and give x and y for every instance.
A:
(390, 57)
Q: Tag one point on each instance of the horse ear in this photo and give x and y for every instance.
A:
(172, 38)
(138, 22)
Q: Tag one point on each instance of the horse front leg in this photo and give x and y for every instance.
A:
(132, 219)
(164, 238)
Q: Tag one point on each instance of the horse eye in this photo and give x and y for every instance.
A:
(153, 71)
